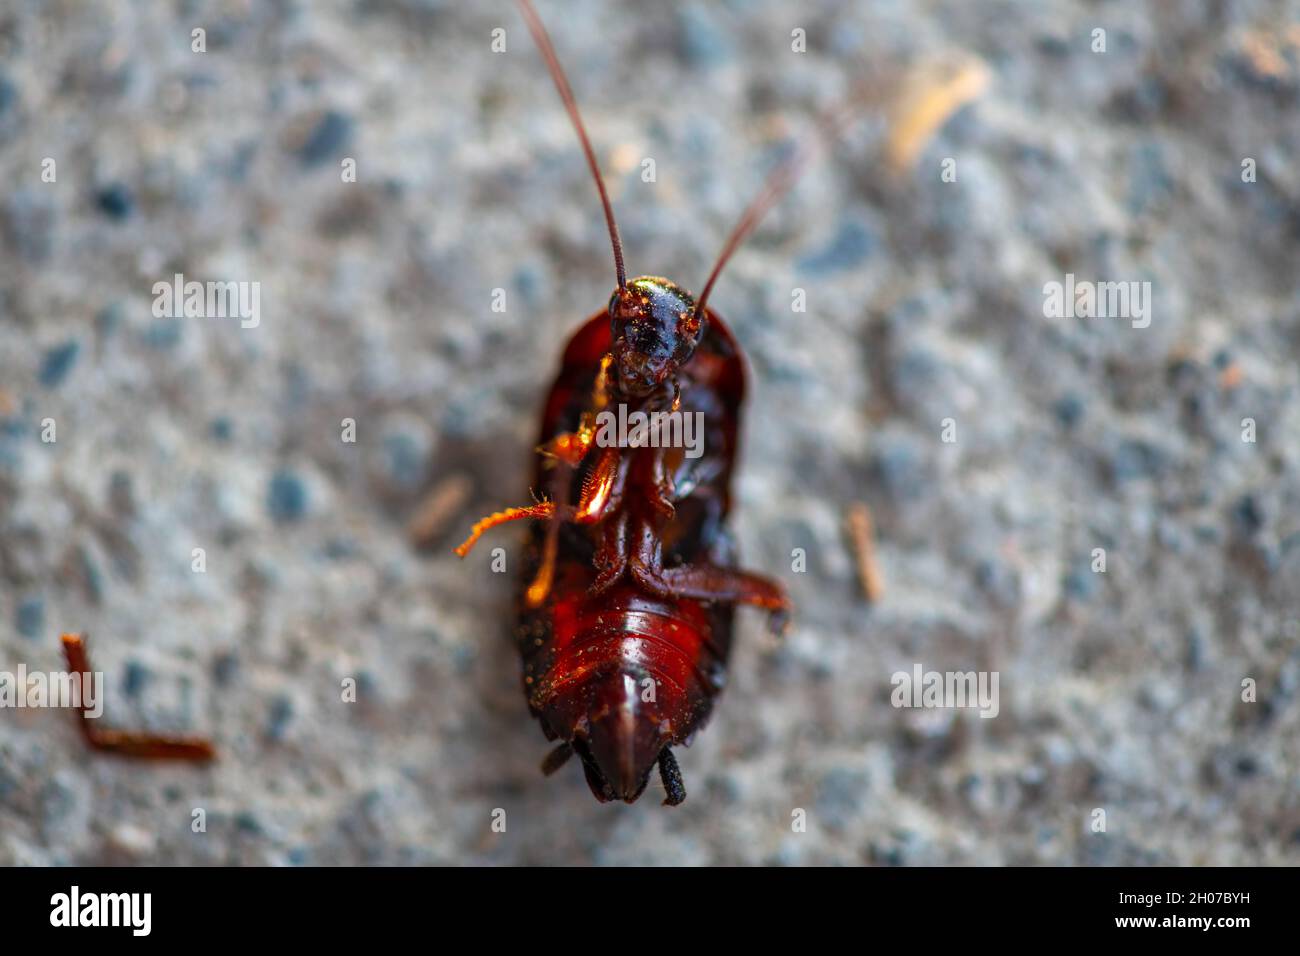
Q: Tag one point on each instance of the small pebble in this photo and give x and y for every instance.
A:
(29, 618)
(225, 668)
(1080, 584)
(91, 574)
(281, 717)
(286, 498)
(135, 678)
(8, 96)
(121, 493)
(1068, 409)
(327, 139)
(115, 201)
(221, 428)
(1248, 515)
(163, 334)
(132, 841)
(1134, 459)
(405, 456)
(58, 362)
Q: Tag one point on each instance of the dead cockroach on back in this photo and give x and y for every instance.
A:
(625, 614)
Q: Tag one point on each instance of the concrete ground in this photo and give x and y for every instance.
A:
(997, 447)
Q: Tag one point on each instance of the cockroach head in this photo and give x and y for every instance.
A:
(655, 328)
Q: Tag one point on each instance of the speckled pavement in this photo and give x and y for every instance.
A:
(998, 448)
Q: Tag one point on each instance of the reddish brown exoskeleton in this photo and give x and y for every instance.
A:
(625, 616)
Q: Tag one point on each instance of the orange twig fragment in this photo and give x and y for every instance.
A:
(125, 743)
(862, 535)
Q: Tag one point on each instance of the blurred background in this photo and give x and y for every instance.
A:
(997, 149)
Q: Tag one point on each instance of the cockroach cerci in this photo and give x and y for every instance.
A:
(630, 577)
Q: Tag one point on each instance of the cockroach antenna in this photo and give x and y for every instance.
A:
(778, 183)
(543, 41)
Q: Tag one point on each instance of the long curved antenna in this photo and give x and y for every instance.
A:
(778, 183)
(543, 41)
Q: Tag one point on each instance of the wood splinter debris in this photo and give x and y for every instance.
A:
(931, 94)
(444, 500)
(863, 537)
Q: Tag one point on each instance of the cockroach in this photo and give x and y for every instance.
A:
(630, 578)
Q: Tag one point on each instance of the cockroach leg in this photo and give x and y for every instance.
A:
(662, 483)
(557, 758)
(709, 582)
(540, 587)
(542, 509)
(572, 447)
(671, 775)
(611, 556)
(120, 742)
(602, 491)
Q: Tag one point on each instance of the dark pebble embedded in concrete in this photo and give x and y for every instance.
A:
(29, 617)
(1248, 515)
(135, 677)
(221, 428)
(115, 201)
(1068, 409)
(225, 668)
(1135, 459)
(1081, 584)
(286, 498)
(280, 718)
(330, 135)
(58, 362)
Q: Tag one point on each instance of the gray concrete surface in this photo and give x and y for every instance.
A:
(1119, 691)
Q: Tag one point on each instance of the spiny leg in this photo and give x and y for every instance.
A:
(662, 482)
(543, 509)
(557, 758)
(709, 582)
(120, 742)
(571, 448)
(671, 775)
(706, 582)
(602, 490)
(611, 556)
